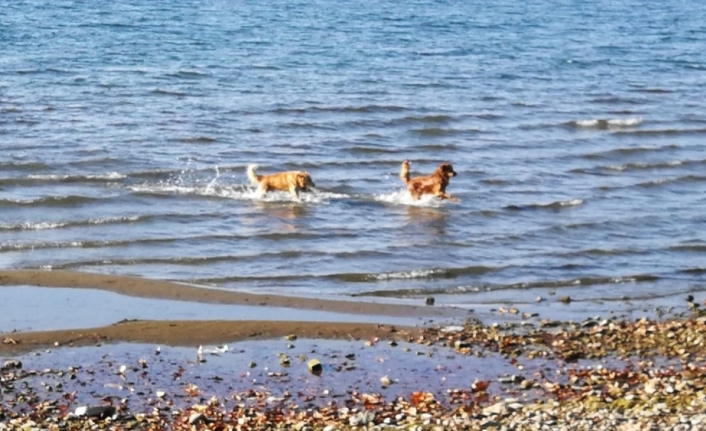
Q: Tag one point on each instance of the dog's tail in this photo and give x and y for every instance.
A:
(404, 172)
(255, 179)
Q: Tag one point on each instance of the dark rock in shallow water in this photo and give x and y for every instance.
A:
(430, 300)
(9, 365)
(95, 411)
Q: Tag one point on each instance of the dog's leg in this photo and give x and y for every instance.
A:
(444, 195)
(295, 193)
(261, 191)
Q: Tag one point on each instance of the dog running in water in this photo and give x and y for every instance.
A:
(434, 184)
(291, 181)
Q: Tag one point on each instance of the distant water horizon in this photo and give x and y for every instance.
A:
(577, 129)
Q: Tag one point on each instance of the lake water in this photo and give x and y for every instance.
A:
(577, 128)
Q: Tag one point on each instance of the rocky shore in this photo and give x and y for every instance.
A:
(596, 374)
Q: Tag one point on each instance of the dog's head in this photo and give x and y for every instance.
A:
(446, 170)
(304, 180)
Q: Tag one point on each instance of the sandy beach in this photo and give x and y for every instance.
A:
(366, 319)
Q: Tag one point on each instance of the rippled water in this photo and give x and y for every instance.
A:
(577, 129)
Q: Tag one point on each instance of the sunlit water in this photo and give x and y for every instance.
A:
(577, 129)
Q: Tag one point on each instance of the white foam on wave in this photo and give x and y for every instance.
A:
(609, 122)
(401, 197)
(57, 225)
(587, 123)
(625, 122)
(33, 226)
(239, 192)
(571, 203)
(405, 275)
(110, 176)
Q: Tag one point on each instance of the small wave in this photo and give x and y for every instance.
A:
(616, 100)
(306, 125)
(694, 271)
(205, 260)
(162, 92)
(24, 166)
(540, 284)
(51, 201)
(111, 176)
(677, 180)
(366, 109)
(634, 166)
(598, 123)
(64, 224)
(437, 147)
(663, 132)
(556, 205)
(610, 154)
(653, 90)
(197, 140)
(434, 273)
(697, 248)
(431, 118)
(359, 149)
(495, 181)
(187, 74)
(437, 131)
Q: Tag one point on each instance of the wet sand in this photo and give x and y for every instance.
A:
(316, 318)
(194, 333)
(158, 289)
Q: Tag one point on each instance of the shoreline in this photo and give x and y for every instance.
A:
(184, 333)
(158, 289)
(319, 317)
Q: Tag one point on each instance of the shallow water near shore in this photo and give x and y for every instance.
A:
(576, 129)
(41, 309)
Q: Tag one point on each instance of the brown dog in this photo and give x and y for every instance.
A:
(292, 181)
(434, 184)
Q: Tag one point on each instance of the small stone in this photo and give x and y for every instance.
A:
(515, 406)
(564, 299)
(196, 418)
(430, 300)
(495, 409)
(315, 366)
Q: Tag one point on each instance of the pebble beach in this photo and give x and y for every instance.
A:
(516, 371)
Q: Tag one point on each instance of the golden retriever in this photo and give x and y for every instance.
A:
(292, 181)
(434, 184)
